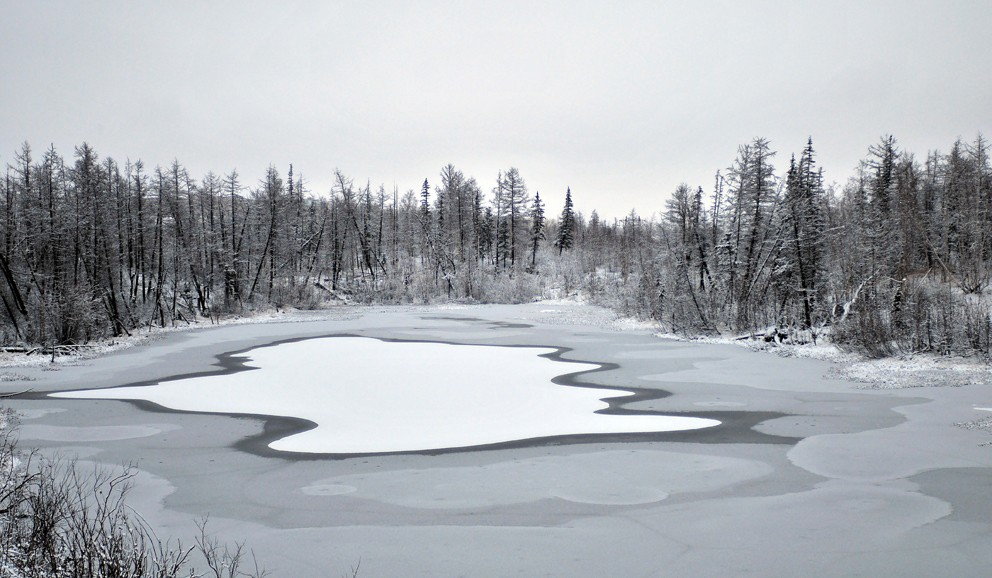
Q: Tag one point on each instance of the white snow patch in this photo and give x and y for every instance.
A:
(632, 324)
(916, 371)
(919, 370)
(823, 351)
(984, 424)
(370, 396)
(572, 299)
(578, 312)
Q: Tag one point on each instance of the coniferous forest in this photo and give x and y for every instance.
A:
(894, 259)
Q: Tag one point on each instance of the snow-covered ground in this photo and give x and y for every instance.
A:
(920, 370)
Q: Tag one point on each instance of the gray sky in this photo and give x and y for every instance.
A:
(621, 101)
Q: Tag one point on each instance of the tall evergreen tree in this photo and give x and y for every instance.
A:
(426, 223)
(804, 230)
(882, 225)
(537, 227)
(566, 224)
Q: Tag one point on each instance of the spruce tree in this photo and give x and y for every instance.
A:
(537, 227)
(425, 202)
(566, 227)
(804, 227)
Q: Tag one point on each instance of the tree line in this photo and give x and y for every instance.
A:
(894, 259)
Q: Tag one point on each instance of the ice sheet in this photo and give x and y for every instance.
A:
(373, 396)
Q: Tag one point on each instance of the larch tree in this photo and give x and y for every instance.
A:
(687, 252)
(513, 201)
(752, 198)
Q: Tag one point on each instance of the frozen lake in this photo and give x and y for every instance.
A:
(805, 475)
(368, 396)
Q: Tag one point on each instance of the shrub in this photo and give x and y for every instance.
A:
(915, 315)
(58, 519)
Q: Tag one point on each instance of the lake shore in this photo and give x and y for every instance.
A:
(817, 477)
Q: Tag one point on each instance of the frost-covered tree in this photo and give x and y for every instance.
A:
(801, 261)
(566, 224)
(752, 237)
(881, 206)
(536, 227)
(686, 241)
(512, 204)
(898, 255)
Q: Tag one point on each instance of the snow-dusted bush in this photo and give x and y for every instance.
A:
(507, 287)
(60, 520)
(914, 315)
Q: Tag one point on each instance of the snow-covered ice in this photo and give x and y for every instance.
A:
(373, 396)
(883, 478)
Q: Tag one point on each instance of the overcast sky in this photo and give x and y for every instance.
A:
(621, 101)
